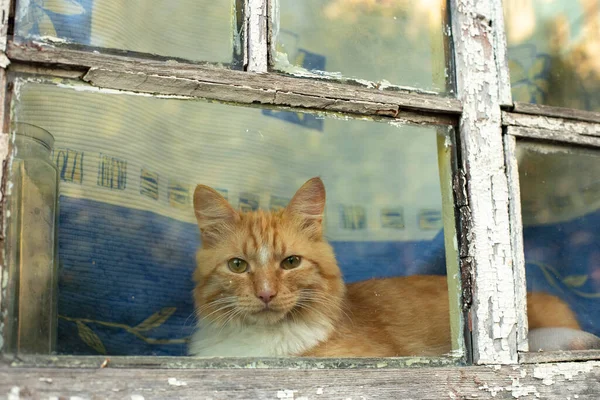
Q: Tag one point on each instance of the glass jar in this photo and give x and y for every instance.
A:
(31, 242)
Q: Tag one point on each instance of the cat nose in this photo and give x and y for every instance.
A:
(266, 295)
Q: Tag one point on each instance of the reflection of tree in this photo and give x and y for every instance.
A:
(565, 69)
(400, 41)
(421, 13)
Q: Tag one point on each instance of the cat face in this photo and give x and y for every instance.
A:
(265, 267)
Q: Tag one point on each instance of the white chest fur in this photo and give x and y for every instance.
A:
(284, 339)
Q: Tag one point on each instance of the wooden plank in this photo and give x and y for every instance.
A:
(489, 254)
(256, 28)
(166, 362)
(172, 86)
(558, 125)
(516, 237)
(83, 60)
(566, 381)
(553, 136)
(558, 356)
(560, 112)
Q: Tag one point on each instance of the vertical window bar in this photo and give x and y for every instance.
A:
(492, 313)
(5, 6)
(516, 238)
(501, 53)
(256, 36)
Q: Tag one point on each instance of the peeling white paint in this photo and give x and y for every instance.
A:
(319, 390)
(176, 382)
(137, 397)
(493, 312)
(77, 398)
(285, 394)
(15, 393)
(548, 372)
(47, 380)
(256, 36)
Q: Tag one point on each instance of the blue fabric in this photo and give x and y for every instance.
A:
(120, 266)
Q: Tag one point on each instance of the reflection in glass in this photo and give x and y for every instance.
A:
(560, 200)
(553, 52)
(397, 42)
(127, 231)
(31, 244)
(198, 30)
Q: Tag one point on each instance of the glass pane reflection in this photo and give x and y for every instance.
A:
(127, 230)
(198, 30)
(553, 52)
(560, 200)
(397, 42)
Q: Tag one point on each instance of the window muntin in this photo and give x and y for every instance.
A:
(363, 40)
(552, 52)
(258, 158)
(560, 201)
(197, 30)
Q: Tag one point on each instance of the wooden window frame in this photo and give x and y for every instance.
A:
(487, 199)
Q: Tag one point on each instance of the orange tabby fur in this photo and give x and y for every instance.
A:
(313, 313)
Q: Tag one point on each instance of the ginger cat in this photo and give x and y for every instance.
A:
(268, 284)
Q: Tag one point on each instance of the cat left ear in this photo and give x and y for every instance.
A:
(308, 204)
(213, 213)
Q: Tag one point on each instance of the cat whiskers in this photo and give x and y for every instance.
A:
(226, 304)
(322, 300)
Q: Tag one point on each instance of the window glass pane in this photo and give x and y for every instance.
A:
(128, 166)
(388, 42)
(553, 52)
(192, 29)
(560, 199)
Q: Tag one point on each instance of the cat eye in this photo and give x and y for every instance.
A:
(237, 265)
(291, 262)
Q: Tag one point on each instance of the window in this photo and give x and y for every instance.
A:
(137, 103)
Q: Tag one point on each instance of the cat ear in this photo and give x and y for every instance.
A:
(308, 204)
(214, 214)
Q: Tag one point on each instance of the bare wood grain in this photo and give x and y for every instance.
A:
(561, 112)
(509, 382)
(553, 136)
(241, 94)
(558, 125)
(558, 356)
(206, 73)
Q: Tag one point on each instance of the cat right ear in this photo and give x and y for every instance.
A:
(308, 204)
(213, 213)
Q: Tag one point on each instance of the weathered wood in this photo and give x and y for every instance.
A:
(4, 18)
(84, 60)
(256, 37)
(516, 237)
(492, 313)
(566, 381)
(5, 96)
(553, 136)
(560, 112)
(558, 125)
(241, 94)
(43, 71)
(558, 356)
(501, 56)
(37, 361)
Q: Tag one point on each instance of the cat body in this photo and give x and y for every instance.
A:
(268, 284)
